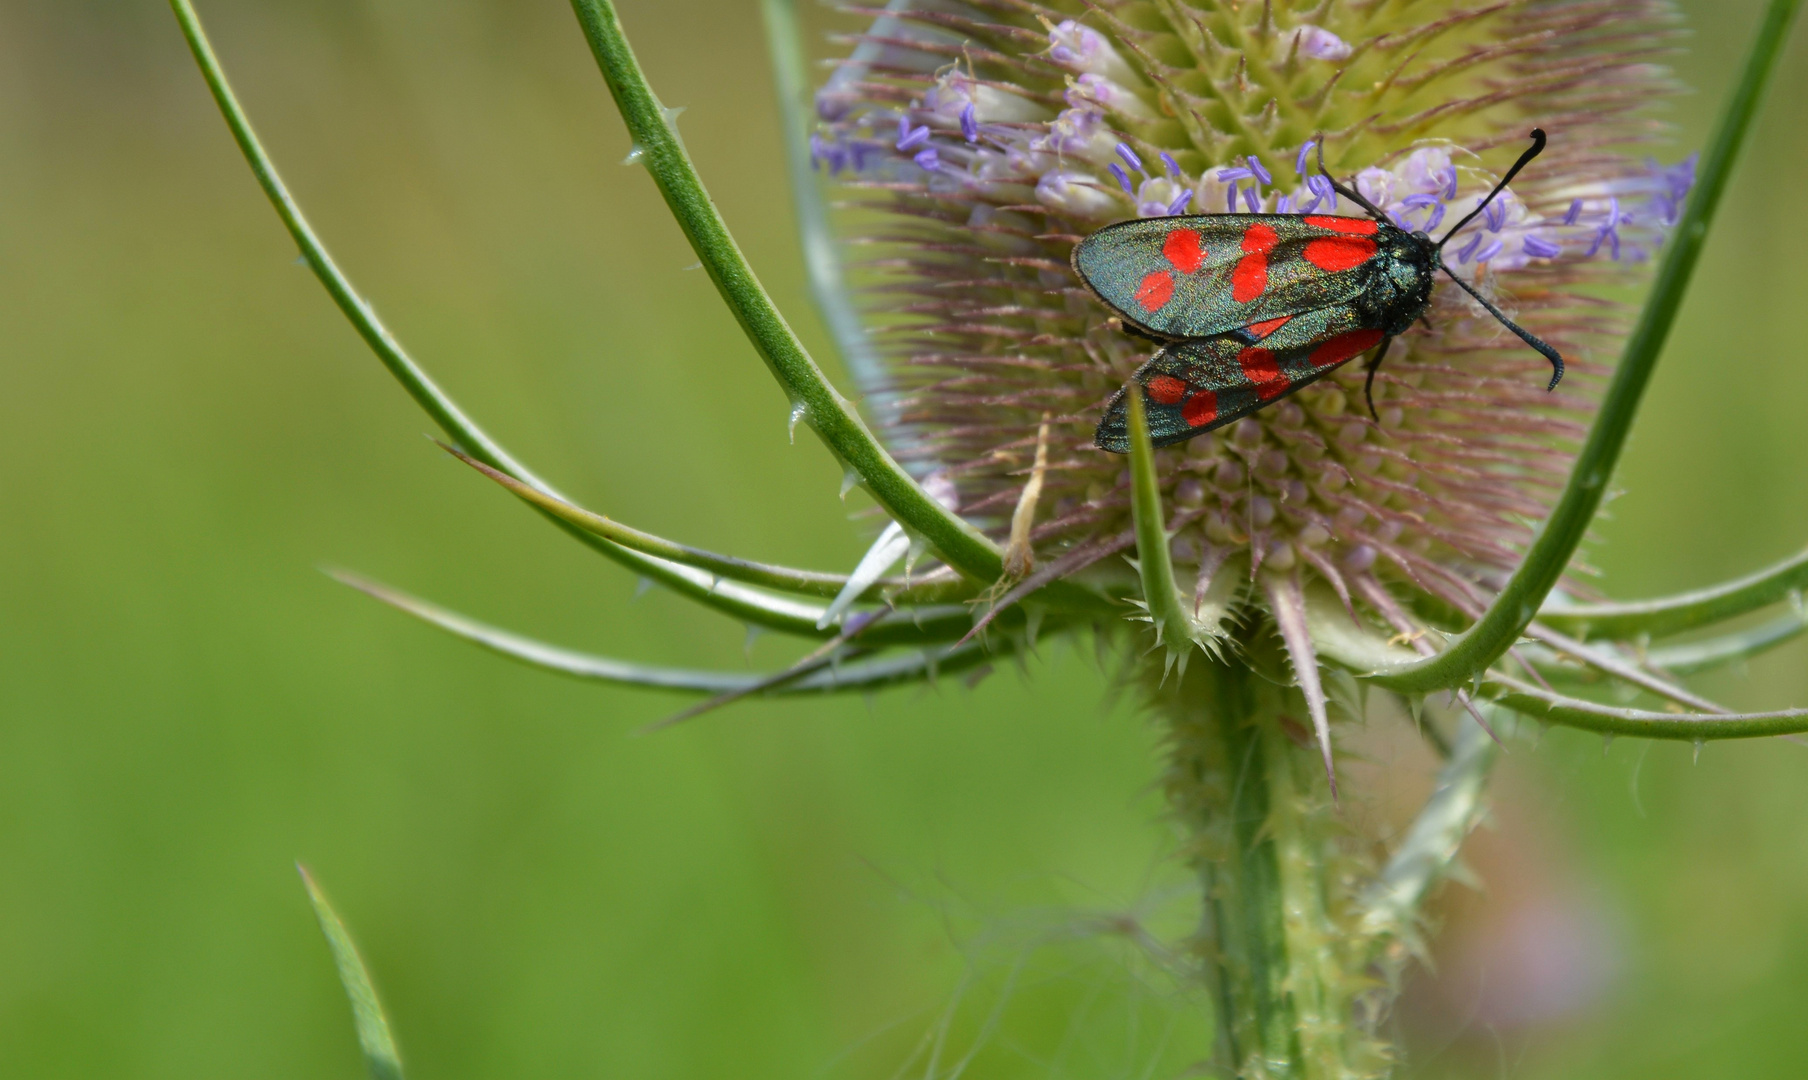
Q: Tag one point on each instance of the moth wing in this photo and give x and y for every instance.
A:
(1192, 387)
(1186, 277)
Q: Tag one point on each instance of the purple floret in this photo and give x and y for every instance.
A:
(1300, 162)
(1541, 249)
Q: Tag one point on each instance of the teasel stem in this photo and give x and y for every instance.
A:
(1261, 835)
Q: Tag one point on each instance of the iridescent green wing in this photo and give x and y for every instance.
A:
(1192, 387)
(1190, 277)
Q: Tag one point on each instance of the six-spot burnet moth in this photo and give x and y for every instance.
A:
(1251, 307)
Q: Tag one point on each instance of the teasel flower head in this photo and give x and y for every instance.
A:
(979, 142)
(982, 141)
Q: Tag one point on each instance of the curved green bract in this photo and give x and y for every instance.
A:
(801, 582)
(357, 310)
(1175, 627)
(822, 263)
(1500, 626)
(706, 588)
(1693, 656)
(1549, 708)
(869, 674)
(374, 1038)
(1153, 561)
(1627, 672)
(829, 414)
(1684, 611)
(1391, 904)
(910, 626)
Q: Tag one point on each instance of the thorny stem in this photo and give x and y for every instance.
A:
(1500, 626)
(1276, 958)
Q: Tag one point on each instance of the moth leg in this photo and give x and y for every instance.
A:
(1131, 330)
(1425, 321)
(1368, 384)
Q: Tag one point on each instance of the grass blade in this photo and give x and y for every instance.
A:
(380, 1053)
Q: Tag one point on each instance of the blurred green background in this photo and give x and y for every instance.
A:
(187, 706)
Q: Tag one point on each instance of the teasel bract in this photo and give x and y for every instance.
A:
(1262, 580)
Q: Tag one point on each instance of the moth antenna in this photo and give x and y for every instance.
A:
(1532, 151)
(1349, 193)
(1368, 384)
(1549, 353)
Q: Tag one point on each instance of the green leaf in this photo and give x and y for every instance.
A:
(1500, 626)
(880, 671)
(829, 414)
(380, 1053)
(1684, 611)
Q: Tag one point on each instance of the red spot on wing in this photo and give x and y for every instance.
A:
(1200, 409)
(1354, 226)
(1259, 239)
(1266, 326)
(1165, 389)
(1340, 348)
(1155, 291)
(1259, 366)
(1250, 277)
(1334, 253)
(1182, 249)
